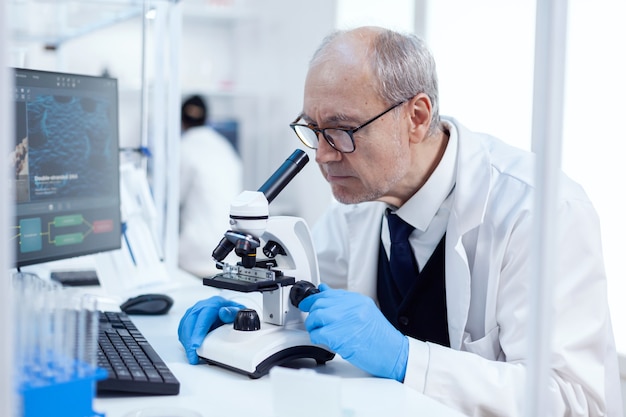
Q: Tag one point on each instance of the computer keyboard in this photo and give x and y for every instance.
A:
(133, 366)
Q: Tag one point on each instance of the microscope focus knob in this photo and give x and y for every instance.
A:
(301, 290)
(247, 320)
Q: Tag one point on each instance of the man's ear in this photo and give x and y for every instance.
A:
(420, 112)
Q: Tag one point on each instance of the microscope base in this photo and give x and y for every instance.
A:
(254, 353)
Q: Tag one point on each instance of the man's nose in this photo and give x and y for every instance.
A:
(325, 153)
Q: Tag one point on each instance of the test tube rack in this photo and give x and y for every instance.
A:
(55, 349)
(71, 398)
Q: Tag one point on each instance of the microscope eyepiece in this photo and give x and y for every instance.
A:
(284, 174)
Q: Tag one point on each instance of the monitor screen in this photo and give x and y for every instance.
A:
(65, 166)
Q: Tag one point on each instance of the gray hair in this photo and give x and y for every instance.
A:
(403, 66)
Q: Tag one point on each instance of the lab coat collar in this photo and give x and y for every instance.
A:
(420, 209)
(470, 202)
(472, 187)
(471, 191)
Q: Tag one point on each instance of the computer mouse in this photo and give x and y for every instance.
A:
(148, 304)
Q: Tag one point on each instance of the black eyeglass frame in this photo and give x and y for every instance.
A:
(328, 138)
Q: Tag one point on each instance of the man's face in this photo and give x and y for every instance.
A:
(339, 92)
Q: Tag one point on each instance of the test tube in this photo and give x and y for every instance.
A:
(21, 334)
(88, 353)
(67, 314)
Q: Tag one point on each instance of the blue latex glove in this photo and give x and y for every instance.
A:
(200, 319)
(351, 325)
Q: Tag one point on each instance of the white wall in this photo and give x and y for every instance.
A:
(484, 52)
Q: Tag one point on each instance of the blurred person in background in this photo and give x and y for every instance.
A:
(211, 175)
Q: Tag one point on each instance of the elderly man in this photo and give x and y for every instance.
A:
(426, 261)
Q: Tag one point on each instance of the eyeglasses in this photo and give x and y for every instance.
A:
(340, 139)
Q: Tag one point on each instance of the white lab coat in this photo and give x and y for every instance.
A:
(488, 245)
(211, 176)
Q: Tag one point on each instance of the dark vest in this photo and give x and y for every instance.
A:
(421, 313)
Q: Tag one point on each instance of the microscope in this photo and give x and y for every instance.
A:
(287, 273)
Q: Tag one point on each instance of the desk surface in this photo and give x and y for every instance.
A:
(213, 391)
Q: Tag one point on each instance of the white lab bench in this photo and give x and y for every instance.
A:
(212, 391)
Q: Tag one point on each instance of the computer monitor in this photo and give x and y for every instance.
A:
(65, 166)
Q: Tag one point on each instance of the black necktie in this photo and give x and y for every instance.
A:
(401, 260)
